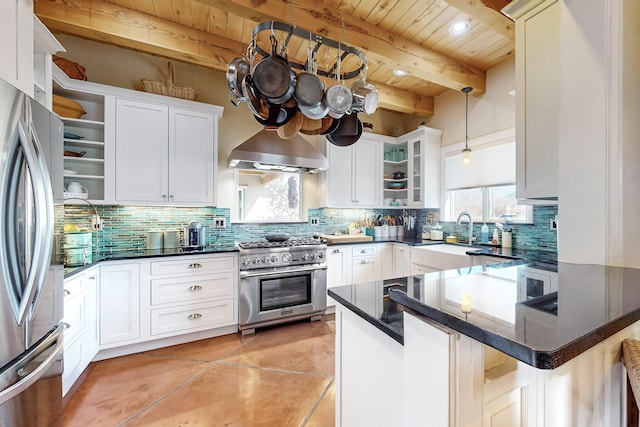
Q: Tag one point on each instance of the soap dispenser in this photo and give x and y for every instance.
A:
(485, 234)
(496, 238)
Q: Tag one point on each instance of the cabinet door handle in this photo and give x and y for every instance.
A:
(164, 196)
(92, 277)
(364, 261)
(363, 251)
(194, 288)
(194, 316)
(66, 292)
(66, 325)
(171, 196)
(195, 265)
(336, 251)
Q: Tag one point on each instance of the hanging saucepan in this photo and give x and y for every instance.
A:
(338, 97)
(279, 115)
(334, 125)
(273, 77)
(315, 113)
(257, 103)
(236, 70)
(346, 140)
(365, 97)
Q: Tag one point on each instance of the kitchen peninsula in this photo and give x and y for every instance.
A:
(468, 348)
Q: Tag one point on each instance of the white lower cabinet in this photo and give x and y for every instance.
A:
(191, 294)
(81, 321)
(119, 303)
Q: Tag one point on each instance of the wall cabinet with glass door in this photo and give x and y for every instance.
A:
(411, 175)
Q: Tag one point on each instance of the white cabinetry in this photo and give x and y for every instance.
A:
(16, 41)
(81, 320)
(164, 153)
(538, 98)
(45, 45)
(84, 140)
(401, 261)
(190, 294)
(417, 156)
(354, 174)
(119, 303)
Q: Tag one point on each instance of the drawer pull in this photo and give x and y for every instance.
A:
(194, 288)
(363, 251)
(195, 265)
(66, 325)
(336, 251)
(364, 261)
(92, 277)
(194, 316)
(66, 292)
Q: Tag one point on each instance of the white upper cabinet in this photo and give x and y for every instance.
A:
(537, 98)
(354, 175)
(16, 43)
(362, 174)
(164, 154)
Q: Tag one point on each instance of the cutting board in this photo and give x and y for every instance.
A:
(346, 238)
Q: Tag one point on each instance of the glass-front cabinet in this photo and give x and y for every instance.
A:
(411, 169)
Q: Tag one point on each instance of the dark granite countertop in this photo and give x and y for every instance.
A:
(590, 304)
(147, 253)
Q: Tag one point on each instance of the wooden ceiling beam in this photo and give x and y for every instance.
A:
(112, 24)
(486, 12)
(323, 17)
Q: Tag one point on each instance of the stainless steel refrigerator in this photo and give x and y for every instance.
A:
(31, 275)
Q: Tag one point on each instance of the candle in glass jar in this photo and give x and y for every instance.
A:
(466, 303)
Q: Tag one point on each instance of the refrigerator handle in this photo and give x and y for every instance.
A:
(43, 205)
(18, 365)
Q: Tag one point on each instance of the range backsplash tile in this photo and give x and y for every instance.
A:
(125, 227)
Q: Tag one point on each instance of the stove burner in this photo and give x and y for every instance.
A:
(263, 244)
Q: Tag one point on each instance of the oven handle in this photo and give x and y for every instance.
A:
(280, 272)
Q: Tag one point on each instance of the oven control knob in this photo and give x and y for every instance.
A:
(286, 257)
(246, 261)
(317, 255)
(274, 258)
(305, 256)
(256, 260)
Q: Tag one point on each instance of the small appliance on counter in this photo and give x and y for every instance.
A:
(194, 236)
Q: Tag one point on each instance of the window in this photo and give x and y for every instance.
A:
(487, 204)
(268, 196)
(486, 188)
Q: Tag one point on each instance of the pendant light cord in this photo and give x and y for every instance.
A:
(466, 91)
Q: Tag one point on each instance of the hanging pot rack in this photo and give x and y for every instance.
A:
(344, 50)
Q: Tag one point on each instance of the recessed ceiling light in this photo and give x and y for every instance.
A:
(399, 73)
(459, 28)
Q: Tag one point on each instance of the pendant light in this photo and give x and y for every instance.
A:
(466, 152)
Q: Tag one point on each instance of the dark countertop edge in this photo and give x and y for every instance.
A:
(384, 327)
(136, 254)
(541, 359)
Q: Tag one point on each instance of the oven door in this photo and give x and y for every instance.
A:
(271, 296)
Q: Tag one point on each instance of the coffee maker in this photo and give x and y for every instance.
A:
(194, 235)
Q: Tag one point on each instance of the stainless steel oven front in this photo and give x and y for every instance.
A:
(273, 296)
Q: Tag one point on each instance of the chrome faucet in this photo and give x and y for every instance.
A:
(468, 215)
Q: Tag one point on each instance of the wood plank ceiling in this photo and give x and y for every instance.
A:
(410, 35)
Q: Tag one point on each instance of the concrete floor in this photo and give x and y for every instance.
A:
(281, 376)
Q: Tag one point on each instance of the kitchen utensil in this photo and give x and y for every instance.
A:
(273, 76)
(277, 237)
(365, 96)
(338, 97)
(315, 113)
(257, 103)
(237, 69)
(292, 127)
(279, 115)
(345, 140)
(170, 239)
(398, 175)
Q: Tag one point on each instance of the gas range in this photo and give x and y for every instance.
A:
(291, 252)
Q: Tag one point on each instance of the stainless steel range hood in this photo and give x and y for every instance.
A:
(267, 151)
